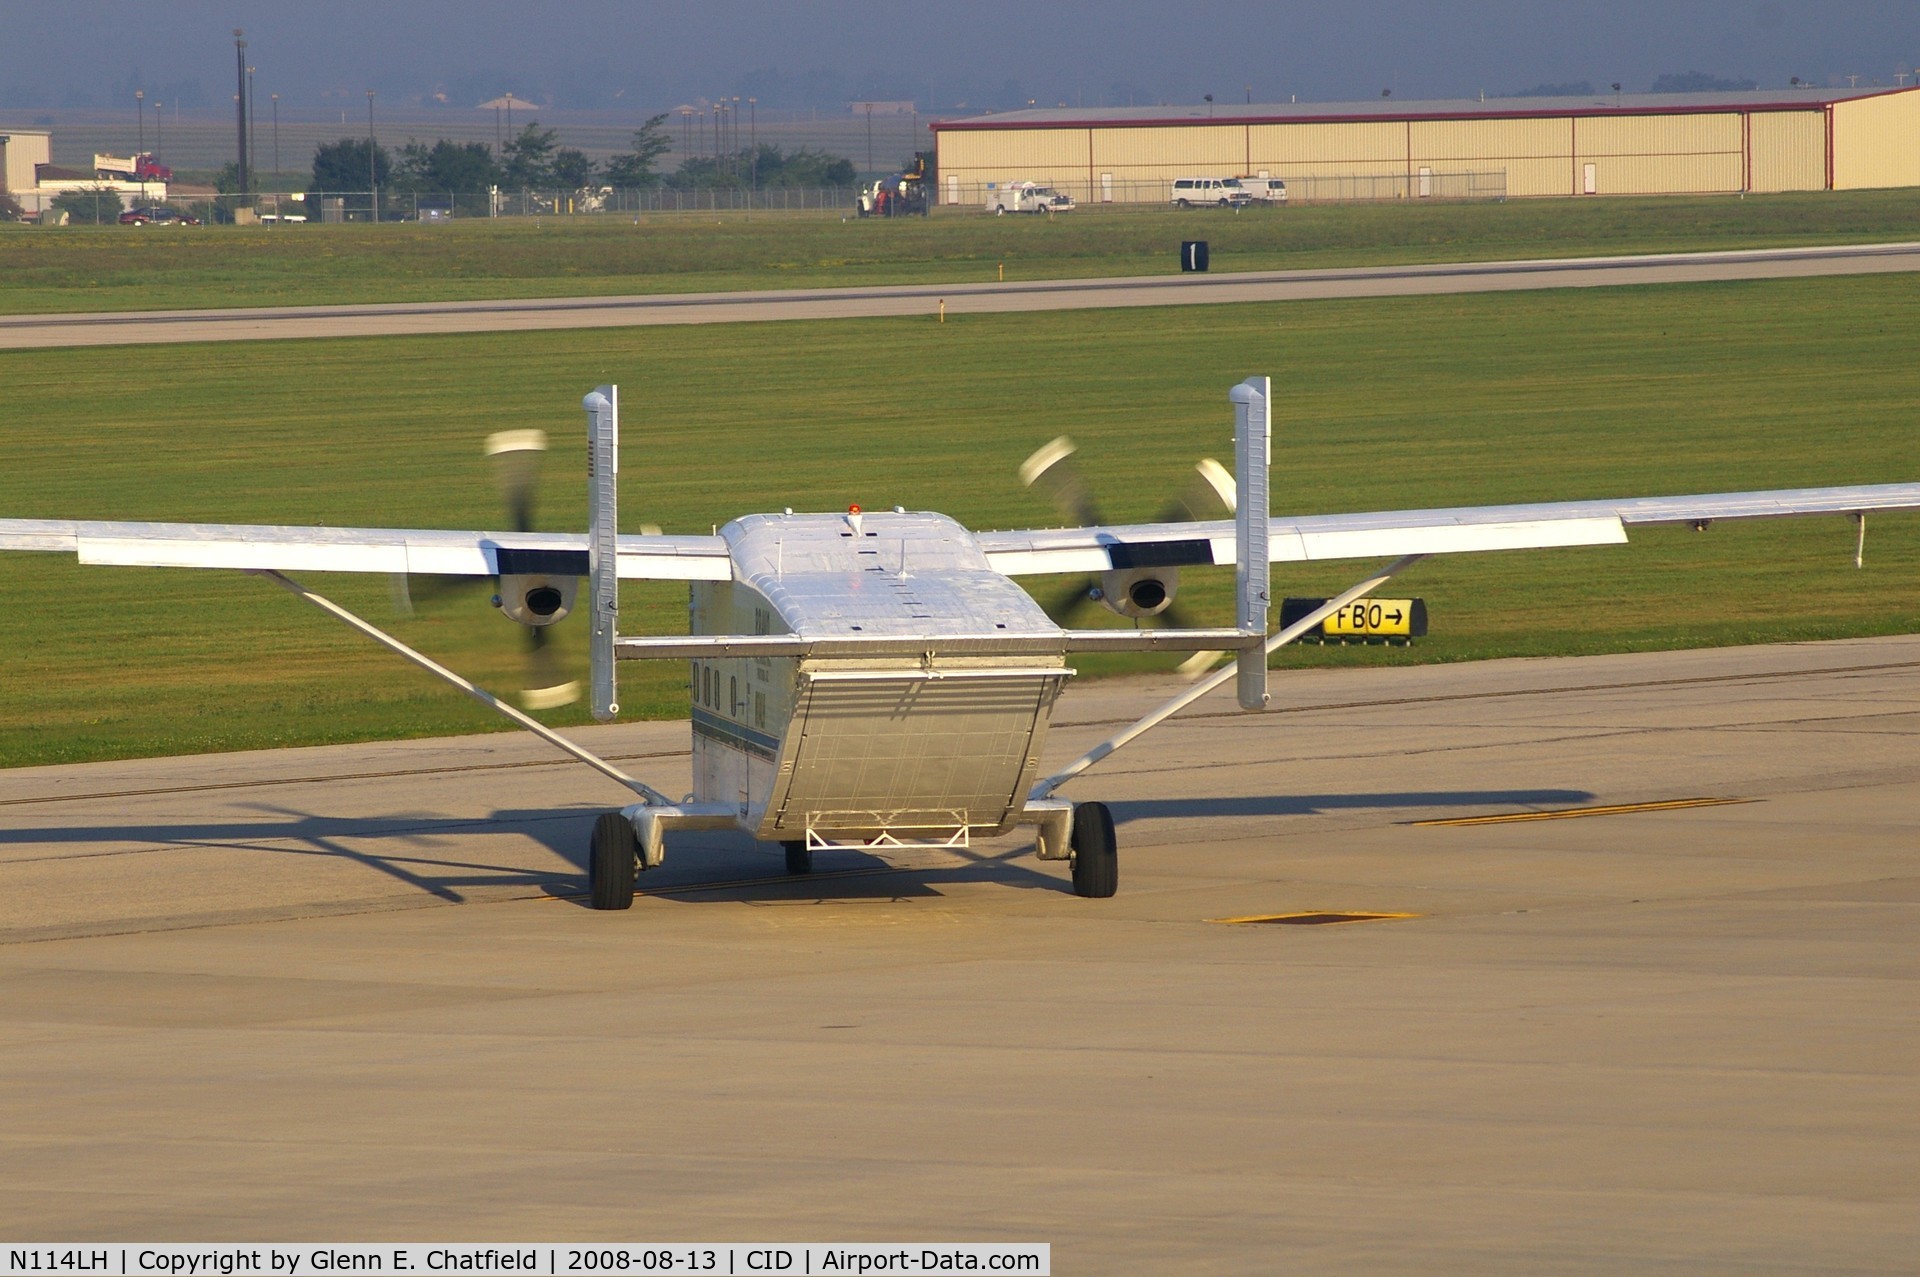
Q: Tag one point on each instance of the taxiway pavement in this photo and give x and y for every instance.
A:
(19, 332)
(351, 993)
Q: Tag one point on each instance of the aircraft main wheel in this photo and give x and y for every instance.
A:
(1096, 861)
(799, 858)
(613, 859)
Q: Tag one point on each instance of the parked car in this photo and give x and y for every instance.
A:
(1265, 190)
(1221, 191)
(158, 215)
(1027, 197)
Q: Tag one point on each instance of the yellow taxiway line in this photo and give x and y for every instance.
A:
(1570, 813)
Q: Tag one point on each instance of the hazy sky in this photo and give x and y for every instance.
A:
(601, 53)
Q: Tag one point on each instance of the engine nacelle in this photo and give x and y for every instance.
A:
(536, 598)
(1138, 592)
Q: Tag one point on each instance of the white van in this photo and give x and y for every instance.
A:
(1265, 190)
(1223, 191)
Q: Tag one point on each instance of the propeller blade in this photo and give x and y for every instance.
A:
(1070, 599)
(1054, 473)
(516, 459)
(412, 591)
(1177, 617)
(548, 686)
(1209, 494)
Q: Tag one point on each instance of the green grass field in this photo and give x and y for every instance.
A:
(129, 268)
(1415, 402)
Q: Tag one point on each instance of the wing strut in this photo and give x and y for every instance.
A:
(1046, 787)
(1253, 577)
(651, 795)
(603, 530)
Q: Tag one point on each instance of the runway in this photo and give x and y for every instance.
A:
(22, 332)
(351, 993)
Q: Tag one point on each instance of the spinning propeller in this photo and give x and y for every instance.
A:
(533, 602)
(1137, 593)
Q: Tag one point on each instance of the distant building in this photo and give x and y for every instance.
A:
(35, 181)
(21, 151)
(1799, 139)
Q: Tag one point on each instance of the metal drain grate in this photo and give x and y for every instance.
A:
(1311, 919)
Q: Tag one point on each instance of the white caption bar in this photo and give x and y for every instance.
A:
(554, 1259)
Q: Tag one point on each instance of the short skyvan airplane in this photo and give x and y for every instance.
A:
(876, 678)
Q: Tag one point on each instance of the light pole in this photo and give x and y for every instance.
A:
(253, 121)
(240, 103)
(373, 178)
(736, 123)
(686, 134)
(276, 133)
(140, 105)
(159, 119)
(509, 114)
(869, 107)
(753, 139)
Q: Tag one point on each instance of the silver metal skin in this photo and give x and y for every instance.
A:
(835, 708)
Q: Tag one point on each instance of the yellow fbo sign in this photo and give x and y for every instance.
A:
(1373, 618)
(1365, 619)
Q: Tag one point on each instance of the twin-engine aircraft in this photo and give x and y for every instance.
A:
(876, 678)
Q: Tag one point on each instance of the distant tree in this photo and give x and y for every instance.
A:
(10, 210)
(1700, 82)
(813, 168)
(342, 165)
(571, 169)
(636, 167)
(342, 168)
(528, 159)
(446, 167)
(702, 173)
(774, 167)
(94, 206)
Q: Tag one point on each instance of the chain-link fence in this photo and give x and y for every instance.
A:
(1343, 188)
(433, 206)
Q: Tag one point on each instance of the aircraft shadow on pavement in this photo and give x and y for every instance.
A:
(713, 868)
(421, 861)
(1245, 805)
(447, 857)
(444, 857)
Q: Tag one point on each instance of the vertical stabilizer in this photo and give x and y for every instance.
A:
(1252, 438)
(603, 528)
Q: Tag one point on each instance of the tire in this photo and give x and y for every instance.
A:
(613, 859)
(1224, 203)
(799, 858)
(1183, 203)
(1001, 211)
(1096, 863)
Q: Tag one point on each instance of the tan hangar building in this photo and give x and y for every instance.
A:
(1798, 139)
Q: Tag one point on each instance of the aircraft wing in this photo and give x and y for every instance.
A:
(381, 550)
(1393, 533)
